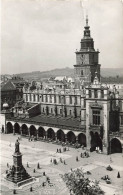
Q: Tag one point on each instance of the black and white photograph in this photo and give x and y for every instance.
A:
(61, 114)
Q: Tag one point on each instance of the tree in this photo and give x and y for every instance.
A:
(79, 185)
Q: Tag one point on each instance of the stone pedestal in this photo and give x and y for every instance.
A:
(17, 172)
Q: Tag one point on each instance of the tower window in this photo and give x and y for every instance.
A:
(102, 94)
(82, 71)
(89, 93)
(70, 99)
(96, 117)
(70, 112)
(95, 93)
(75, 99)
(121, 120)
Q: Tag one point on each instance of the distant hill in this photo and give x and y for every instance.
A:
(37, 75)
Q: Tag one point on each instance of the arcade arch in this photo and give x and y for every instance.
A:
(71, 138)
(17, 128)
(82, 139)
(41, 132)
(33, 131)
(115, 146)
(25, 130)
(95, 141)
(60, 135)
(9, 127)
(50, 134)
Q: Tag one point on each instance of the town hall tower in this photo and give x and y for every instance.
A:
(87, 59)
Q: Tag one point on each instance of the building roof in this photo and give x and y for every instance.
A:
(9, 86)
(57, 121)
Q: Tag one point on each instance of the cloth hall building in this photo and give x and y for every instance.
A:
(83, 112)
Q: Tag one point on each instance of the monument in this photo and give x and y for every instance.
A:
(17, 173)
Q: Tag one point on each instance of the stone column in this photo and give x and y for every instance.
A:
(37, 133)
(13, 130)
(65, 138)
(88, 138)
(21, 130)
(29, 132)
(46, 135)
(55, 136)
(77, 139)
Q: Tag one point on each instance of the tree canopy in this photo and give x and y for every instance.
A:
(78, 184)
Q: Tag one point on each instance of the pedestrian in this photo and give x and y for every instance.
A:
(8, 165)
(61, 160)
(38, 166)
(57, 150)
(85, 153)
(33, 170)
(27, 165)
(77, 158)
(118, 175)
(14, 191)
(64, 162)
(81, 155)
(30, 189)
(44, 173)
(51, 160)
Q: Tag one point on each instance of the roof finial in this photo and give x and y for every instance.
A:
(86, 20)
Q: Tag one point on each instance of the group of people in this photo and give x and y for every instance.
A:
(84, 155)
(59, 150)
(98, 150)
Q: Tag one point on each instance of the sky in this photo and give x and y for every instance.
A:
(41, 35)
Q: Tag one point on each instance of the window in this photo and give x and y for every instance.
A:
(102, 94)
(38, 98)
(70, 99)
(46, 99)
(51, 110)
(121, 120)
(59, 99)
(26, 97)
(95, 93)
(75, 99)
(70, 112)
(60, 111)
(30, 97)
(42, 98)
(89, 93)
(82, 71)
(34, 98)
(50, 98)
(54, 98)
(96, 117)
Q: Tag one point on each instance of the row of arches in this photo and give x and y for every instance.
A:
(49, 133)
(115, 145)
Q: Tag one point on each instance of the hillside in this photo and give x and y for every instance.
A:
(37, 75)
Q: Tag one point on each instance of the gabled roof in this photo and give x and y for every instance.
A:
(9, 86)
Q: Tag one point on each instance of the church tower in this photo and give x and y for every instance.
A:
(87, 58)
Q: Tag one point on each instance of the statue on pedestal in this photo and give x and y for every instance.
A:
(17, 146)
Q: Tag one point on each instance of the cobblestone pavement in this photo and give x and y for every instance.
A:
(34, 152)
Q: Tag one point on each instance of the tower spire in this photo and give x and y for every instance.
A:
(86, 20)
